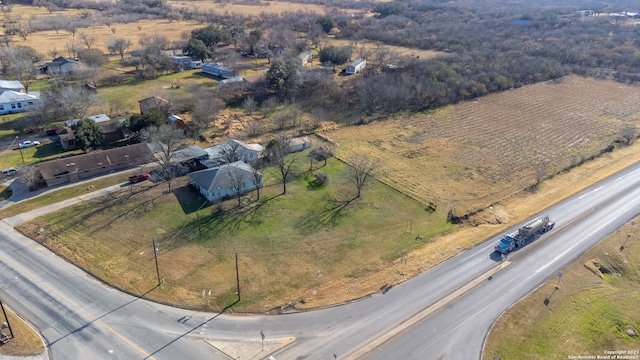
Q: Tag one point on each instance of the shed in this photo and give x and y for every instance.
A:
(185, 62)
(356, 66)
(304, 57)
(233, 80)
(176, 121)
(218, 70)
(154, 103)
(299, 143)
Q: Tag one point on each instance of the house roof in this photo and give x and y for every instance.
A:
(9, 96)
(189, 153)
(133, 154)
(304, 54)
(220, 177)
(153, 103)
(110, 126)
(298, 141)
(61, 60)
(173, 118)
(252, 147)
(234, 79)
(96, 118)
(213, 66)
(357, 61)
(66, 134)
(11, 85)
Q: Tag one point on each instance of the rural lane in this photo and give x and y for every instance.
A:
(80, 316)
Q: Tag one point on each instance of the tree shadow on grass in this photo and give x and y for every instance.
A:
(115, 200)
(220, 223)
(319, 217)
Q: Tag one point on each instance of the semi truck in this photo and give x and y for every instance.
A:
(530, 231)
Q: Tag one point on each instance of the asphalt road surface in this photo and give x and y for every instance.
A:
(444, 313)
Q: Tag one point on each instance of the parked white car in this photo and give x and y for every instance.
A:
(9, 171)
(28, 143)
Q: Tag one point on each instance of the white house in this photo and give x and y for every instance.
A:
(100, 118)
(14, 101)
(356, 66)
(185, 62)
(62, 65)
(299, 143)
(218, 70)
(225, 181)
(232, 80)
(304, 57)
(13, 85)
(235, 150)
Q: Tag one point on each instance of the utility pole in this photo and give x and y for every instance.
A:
(155, 256)
(20, 148)
(262, 335)
(237, 277)
(7, 319)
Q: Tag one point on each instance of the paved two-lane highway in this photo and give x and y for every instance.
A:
(83, 319)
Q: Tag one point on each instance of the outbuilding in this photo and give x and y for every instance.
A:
(356, 66)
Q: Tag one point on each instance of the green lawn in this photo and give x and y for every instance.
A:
(287, 244)
(176, 84)
(13, 157)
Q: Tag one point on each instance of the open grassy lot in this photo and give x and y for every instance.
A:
(288, 245)
(588, 314)
(26, 341)
(475, 153)
(165, 86)
(12, 156)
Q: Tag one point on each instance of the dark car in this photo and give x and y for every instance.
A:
(52, 132)
(138, 177)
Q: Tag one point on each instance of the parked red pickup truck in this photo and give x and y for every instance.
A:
(138, 177)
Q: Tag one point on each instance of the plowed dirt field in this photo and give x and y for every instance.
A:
(473, 154)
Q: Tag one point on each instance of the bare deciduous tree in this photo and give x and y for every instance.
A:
(541, 172)
(87, 39)
(249, 105)
(71, 102)
(30, 176)
(278, 154)
(257, 179)
(166, 141)
(361, 169)
(321, 153)
(23, 67)
(237, 180)
(629, 133)
(118, 46)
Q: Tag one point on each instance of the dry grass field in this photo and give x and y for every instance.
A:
(473, 154)
(26, 341)
(266, 7)
(588, 314)
(45, 41)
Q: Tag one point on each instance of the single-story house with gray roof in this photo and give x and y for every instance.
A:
(222, 182)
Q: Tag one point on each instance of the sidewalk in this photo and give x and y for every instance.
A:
(30, 215)
(20, 193)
